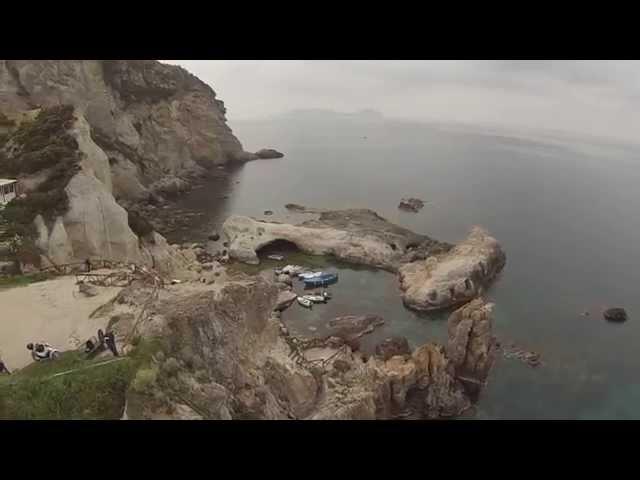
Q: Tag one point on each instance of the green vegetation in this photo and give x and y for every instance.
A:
(41, 145)
(22, 280)
(89, 391)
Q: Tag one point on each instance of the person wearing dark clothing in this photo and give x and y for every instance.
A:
(88, 264)
(110, 341)
(4, 369)
(89, 346)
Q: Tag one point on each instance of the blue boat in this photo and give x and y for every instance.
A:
(321, 281)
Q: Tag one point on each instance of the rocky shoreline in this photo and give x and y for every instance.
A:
(433, 275)
(225, 354)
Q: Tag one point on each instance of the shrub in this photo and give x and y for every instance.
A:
(170, 367)
(42, 144)
(145, 380)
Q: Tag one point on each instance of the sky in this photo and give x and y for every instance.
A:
(599, 97)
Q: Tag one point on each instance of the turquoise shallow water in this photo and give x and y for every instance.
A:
(564, 211)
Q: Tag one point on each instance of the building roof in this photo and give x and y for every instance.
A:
(6, 181)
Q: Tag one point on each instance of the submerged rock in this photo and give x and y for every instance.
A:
(615, 314)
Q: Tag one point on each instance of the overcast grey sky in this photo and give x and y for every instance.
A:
(594, 97)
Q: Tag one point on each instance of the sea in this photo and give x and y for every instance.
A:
(564, 208)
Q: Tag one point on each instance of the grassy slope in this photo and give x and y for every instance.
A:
(86, 393)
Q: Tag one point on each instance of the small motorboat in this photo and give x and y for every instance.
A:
(322, 280)
(315, 298)
(305, 302)
(275, 257)
(309, 275)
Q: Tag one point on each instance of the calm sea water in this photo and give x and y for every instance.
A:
(565, 212)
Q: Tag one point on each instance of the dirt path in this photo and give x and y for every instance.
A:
(52, 311)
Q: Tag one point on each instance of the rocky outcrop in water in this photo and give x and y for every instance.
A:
(615, 314)
(455, 277)
(268, 153)
(357, 236)
(433, 275)
(411, 204)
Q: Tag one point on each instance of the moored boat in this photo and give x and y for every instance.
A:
(316, 298)
(309, 275)
(305, 302)
(275, 257)
(322, 280)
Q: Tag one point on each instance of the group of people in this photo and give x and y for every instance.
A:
(94, 346)
(43, 351)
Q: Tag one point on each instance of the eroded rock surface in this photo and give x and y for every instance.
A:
(226, 356)
(357, 236)
(453, 278)
(433, 275)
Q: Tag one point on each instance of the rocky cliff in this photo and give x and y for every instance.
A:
(225, 355)
(150, 119)
(133, 131)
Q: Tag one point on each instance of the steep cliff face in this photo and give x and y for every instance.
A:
(150, 119)
(88, 136)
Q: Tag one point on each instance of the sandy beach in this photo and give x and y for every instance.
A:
(52, 311)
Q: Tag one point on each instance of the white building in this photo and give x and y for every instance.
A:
(8, 190)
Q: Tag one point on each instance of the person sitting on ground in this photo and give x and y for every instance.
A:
(41, 351)
(89, 346)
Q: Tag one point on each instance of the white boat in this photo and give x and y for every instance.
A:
(275, 257)
(305, 302)
(309, 275)
(315, 298)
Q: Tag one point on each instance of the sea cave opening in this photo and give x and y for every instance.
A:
(278, 247)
